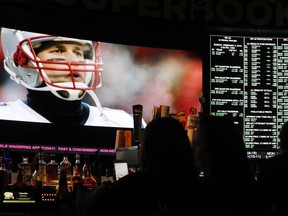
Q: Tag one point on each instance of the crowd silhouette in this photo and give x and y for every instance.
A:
(167, 181)
(228, 184)
(210, 177)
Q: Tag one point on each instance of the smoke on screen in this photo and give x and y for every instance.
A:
(147, 76)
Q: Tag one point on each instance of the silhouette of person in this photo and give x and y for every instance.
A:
(226, 172)
(167, 179)
(273, 177)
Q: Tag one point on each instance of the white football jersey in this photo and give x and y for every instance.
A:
(19, 111)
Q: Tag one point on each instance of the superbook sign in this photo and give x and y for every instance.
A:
(254, 13)
(224, 12)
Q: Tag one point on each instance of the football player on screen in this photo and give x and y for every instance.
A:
(57, 73)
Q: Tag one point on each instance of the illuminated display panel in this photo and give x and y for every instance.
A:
(150, 76)
(246, 77)
(58, 149)
(138, 75)
(53, 138)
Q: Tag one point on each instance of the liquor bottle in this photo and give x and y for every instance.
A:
(52, 171)
(77, 180)
(35, 179)
(107, 180)
(65, 165)
(192, 123)
(88, 180)
(62, 189)
(97, 168)
(62, 198)
(19, 184)
(3, 177)
(182, 118)
(8, 166)
(26, 170)
(42, 168)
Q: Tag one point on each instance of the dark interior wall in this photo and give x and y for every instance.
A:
(162, 23)
(128, 21)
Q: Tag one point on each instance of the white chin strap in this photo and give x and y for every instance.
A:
(97, 102)
(68, 94)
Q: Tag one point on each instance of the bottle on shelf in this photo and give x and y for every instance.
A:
(108, 178)
(77, 180)
(97, 168)
(42, 168)
(65, 165)
(192, 123)
(3, 177)
(88, 180)
(26, 168)
(52, 171)
(19, 184)
(182, 118)
(35, 179)
(63, 198)
(62, 191)
(8, 166)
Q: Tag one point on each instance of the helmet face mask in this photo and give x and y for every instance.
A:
(68, 79)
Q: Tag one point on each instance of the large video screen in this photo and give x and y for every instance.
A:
(246, 78)
(131, 75)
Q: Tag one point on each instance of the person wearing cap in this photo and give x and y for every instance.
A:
(57, 73)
